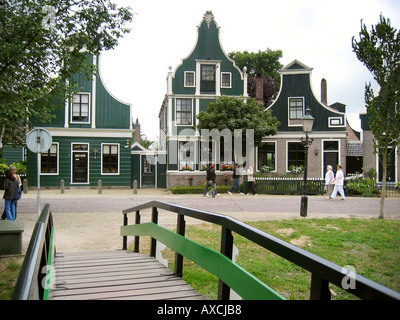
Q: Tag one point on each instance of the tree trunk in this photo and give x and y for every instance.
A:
(383, 193)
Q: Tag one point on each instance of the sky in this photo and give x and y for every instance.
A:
(317, 33)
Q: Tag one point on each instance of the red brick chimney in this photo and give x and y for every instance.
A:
(259, 88)
(324, 92)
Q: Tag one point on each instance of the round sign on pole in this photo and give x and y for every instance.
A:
(38, 140)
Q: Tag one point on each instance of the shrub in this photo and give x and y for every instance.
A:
(362, 186)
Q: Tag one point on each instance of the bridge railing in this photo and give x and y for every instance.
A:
(32, 282)
(322, 271)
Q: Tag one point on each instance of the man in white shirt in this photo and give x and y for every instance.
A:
(338, 181)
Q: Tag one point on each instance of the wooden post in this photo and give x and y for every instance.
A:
(153, 243)
(137, 238)
(135, 187)
(62, 186)
(25, 186)
(100, 187)
(180, 229)
(226, 249)
(125, 238)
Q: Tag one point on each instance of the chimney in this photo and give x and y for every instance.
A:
(324, 93)
(259, 88)
(136, 137)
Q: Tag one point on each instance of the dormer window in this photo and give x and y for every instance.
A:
(207, 80)
(296, 111)
(80, 108)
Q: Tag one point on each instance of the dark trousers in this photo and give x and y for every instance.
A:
(251, 185)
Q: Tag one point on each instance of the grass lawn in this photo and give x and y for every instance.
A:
(9, 271)
(372, 247)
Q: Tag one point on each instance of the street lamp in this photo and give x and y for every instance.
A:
(308, 122)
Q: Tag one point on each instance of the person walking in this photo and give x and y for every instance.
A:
(10, 195)
(329, 177)
(212, 182)
(235, 178)
(208, 179)
(250, 181)
(339, 182)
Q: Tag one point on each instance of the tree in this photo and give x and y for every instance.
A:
(235, 113)
(263, 63)
(44, 42)
(379, 50)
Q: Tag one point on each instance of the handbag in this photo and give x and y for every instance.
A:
(19, 191)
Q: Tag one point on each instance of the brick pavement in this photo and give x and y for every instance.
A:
(85, 220)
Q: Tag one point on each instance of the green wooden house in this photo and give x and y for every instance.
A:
(92, 137)
(284, 152)
(204, 75)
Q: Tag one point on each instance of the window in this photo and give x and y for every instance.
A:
(184, 112)
(189, 79)
(186, 155)
(110, 159)
(266, 156)
(49, 160)
(296, 109)
(207, 80)
(80, 108)
(295, 155)
(226, 80)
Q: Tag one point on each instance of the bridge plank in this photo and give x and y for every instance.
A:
(116, 275)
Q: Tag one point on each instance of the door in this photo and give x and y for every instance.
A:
(148, 172)
(80, 167)
(390, 167)
(331, 158)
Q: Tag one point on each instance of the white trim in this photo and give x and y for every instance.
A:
(230, 80)
(319, 135)
(94, 95)
(101, 162)
(217, 64)
(66, 108)
(90, 133)
(89, 109)
(72, 162)
(342, 122)
(395, 165)
(288, 108)
(194, 79)
(323, 152)
(58, 162)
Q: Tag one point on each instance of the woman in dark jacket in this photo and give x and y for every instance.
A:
(10, 195)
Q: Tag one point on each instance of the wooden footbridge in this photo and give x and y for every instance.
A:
(50, 275)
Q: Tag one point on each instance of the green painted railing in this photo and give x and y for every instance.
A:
(323, 272)
(32, 282)
(244, 284)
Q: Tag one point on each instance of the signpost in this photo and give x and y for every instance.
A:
(38, 140)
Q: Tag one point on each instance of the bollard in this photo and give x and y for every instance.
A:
(99, 187)
(62, 186)
(25, 186)
(135, 187)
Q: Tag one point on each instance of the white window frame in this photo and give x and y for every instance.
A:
(230, 80)
(323, 152)
(288, 106)
(119, 158)
(58, 163)
(194, 79)
(287, 152)
(89, 110)
(276, 153)
(176, 111)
